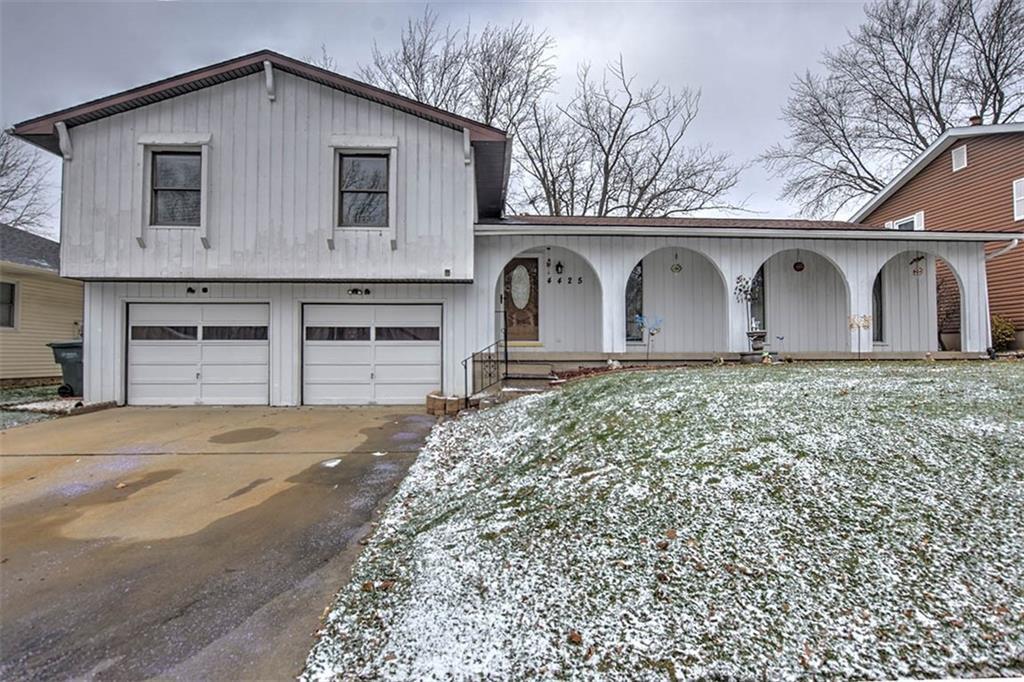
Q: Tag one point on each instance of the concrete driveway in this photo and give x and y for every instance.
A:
(186, 543)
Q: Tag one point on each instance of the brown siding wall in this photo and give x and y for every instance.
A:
(979, 198)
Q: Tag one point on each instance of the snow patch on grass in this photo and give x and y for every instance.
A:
(836, 520)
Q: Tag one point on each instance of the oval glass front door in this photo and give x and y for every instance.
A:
(520, 286)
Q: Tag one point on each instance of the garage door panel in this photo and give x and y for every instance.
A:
(235, 313)
(346, 315)
(163, 394)
(338, 394)
(235, 374)
(407, 354)
(155, 352)
(171, 374)
(407, 373)
(148, 313)
(337, 353)
(235, 353)
(387, 371)
(234, 394)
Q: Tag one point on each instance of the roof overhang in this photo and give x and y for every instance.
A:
(41, 131)
(10, 267)
(486, 230)
(944, 142)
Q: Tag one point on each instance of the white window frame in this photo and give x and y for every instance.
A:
(917, 218)
(1018, 199)
(172, 142)
(16, 317)
(364, 144)
(962, 151)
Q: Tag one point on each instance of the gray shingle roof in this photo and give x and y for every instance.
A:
(25, 248)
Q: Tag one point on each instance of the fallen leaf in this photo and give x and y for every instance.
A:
(575, 637)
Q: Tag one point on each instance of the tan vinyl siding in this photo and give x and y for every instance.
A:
(978, 198)
(47, 309)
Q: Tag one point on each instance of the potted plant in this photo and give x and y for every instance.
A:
(746, 293)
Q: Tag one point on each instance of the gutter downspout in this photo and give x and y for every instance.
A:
(1006, 249)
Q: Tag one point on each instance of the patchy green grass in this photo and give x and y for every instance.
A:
(847, 520)
(29, 394)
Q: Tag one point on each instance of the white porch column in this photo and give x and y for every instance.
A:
(736, 311)
(975, 329)
(861, 321)
(613, 304)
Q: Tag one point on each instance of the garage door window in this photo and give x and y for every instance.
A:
(337, 333)
(408, 333)
(161, 333)
(235, 333)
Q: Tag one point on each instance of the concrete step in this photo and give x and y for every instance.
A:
(529, 380)
(530, 369)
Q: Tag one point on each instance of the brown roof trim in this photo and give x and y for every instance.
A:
(40, 130)
(622, 221)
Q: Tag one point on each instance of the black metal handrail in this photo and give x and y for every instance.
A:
(488, 366)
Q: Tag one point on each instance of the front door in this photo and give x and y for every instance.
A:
(522, 309)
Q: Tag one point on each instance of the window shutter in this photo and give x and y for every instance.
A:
(1018, 199)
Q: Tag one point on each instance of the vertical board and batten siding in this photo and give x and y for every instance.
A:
(569, 310)
(806, 310)
(856, 264)
(46, 308)
(271, 194)
(979, 198)
(105, 314)
(690, 303)
(909, 316)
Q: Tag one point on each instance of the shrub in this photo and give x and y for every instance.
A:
(1003, 333)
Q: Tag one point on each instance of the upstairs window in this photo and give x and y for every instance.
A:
(1018, 199)
(959, 158)
(364, 196)
(177, 180)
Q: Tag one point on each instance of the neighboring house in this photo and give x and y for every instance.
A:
(37, 306)
(969, 179)
(265, 231)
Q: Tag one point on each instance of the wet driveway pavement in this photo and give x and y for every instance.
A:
(186, 543)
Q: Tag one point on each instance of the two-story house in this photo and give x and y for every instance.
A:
(970, 178)
(264, 231)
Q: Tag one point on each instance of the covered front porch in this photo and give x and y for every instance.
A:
(586, 295)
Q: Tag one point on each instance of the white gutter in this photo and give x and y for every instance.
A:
(1006, 249)
(486, 230)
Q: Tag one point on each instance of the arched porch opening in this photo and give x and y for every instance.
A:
(548, 299)
(804, 303)
(916, 304)
(682, 292)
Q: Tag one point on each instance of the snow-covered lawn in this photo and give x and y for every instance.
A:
(849, 520)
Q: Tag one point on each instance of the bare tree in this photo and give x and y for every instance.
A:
(619, 151)
(23, 186)
(913, 69)
(494, 77)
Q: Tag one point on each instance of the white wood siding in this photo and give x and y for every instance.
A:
(909, 321)
(271, 191)
(691, 302)
(808, 309)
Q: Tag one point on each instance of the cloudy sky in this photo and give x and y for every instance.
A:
(742, 55)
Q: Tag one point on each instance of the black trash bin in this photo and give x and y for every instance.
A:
(68, 354)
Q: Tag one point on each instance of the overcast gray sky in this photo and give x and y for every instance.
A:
(742, 55)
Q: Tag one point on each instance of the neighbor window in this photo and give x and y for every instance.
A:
(959, 158)
(6, 304)
(908, 224)
(1018, 199)
(363, 188)
(877, 320)
(177, 188)
(635, 303)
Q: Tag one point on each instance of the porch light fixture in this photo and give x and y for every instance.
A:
(917, 266)
(799, 266)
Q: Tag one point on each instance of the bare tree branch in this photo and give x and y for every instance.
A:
(912, 70)
(23, 186)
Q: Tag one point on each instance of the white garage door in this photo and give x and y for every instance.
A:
(359, 354)
(198, 354)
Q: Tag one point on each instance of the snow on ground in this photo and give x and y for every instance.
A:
(848, 520)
